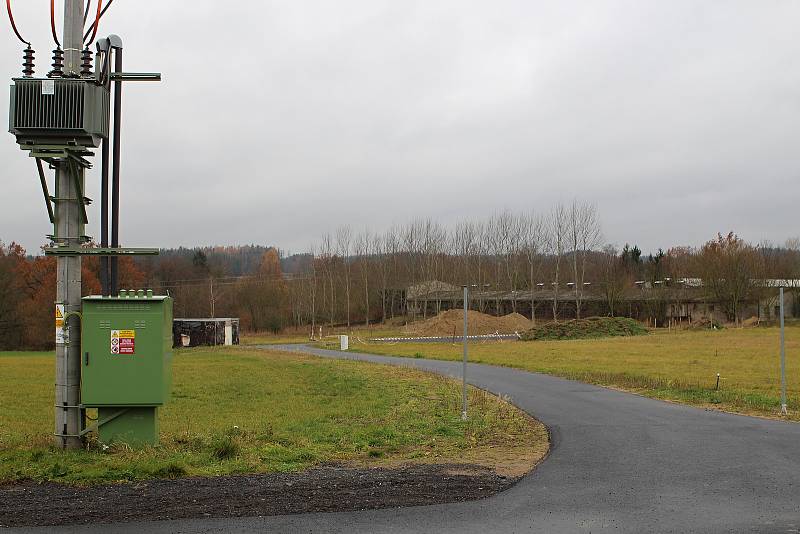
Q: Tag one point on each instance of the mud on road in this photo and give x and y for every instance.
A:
(324, 489)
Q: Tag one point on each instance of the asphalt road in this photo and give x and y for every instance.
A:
(619, 463)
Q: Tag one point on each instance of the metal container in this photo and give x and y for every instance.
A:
(58, 111)
(126, 363)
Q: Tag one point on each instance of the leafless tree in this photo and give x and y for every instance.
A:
(557, 228)
(344, 239)
(532, 244)
(363, 252)
(584, 235)
(327, 259)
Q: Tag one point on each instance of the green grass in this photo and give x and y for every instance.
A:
(592, 327)
(677, 365)
(244, 411)
(294, 335)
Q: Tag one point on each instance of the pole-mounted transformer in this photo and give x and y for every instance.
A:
(60, 120)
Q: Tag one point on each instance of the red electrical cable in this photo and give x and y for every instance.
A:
(98, 18)
(13, 24)
(53, 22)
(96, 22)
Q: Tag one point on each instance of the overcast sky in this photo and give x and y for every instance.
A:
(278, 121)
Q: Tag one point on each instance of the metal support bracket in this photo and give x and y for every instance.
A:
(135, 76)
(47, 198)
(101, 422)
(76, 175)
(100, 251)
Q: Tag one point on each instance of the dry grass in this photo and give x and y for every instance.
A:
(680, 366)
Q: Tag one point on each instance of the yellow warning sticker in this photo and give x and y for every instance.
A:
(59, 324)
(123, 342)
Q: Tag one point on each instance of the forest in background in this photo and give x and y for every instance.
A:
(351, 277)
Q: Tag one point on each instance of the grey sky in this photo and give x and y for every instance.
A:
(278, 121)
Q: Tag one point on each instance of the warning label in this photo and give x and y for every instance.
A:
(123, 342)
(59, 324)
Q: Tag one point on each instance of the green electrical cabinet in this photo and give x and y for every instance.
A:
(126, 362)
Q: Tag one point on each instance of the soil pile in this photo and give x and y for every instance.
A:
(451, 323)
(705, 324)
(593, 327)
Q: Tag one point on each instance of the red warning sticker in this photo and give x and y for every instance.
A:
(123, 342)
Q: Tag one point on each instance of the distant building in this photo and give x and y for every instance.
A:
(205, 332)
(683, 301)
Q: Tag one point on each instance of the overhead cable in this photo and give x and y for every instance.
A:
(53, 22)
(96, 23)
(86, 12)
(97, 19)
(13, 24)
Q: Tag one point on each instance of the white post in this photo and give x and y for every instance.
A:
(464, 365)
(783, 358)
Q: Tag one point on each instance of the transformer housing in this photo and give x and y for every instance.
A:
(59, 111)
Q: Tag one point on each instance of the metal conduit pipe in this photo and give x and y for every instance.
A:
(115, 170)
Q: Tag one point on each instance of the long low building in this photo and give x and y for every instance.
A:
(657, 304)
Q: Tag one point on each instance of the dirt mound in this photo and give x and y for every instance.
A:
(705, 324)
(451, 323)
(592, 327)
(752, 321)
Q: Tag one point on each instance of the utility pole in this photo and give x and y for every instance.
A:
(69, 229)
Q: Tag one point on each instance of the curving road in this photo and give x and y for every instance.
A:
(619, 463)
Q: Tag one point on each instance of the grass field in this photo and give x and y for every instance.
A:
(677, 365)
(244, 411)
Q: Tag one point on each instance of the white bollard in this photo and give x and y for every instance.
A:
(344, 342)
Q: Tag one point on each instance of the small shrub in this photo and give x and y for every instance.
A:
(593, 327)
(171, 470)
(224, 448)
(58, 470)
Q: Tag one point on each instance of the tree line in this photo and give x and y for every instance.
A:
(360, 277)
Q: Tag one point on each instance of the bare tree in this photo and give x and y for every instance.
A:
(327, 259)
(344, 238)
(363, 251)
(557, 227)
(613, 278)
(392, 247)
(585, 235)
(313, 290)
(512, 226)
(533, 244)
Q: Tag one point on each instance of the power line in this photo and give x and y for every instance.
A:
(86, 11)
(53, 22)
(13, 24)
(97, 20)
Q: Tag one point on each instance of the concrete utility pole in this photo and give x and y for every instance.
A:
(69, 227)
